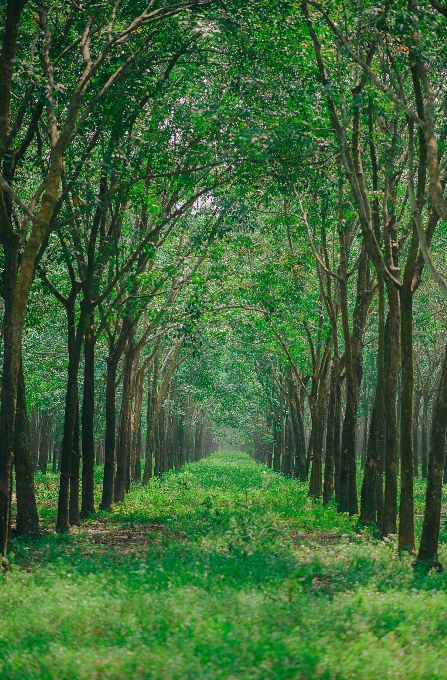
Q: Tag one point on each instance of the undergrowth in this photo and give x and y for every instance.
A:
(223, 570)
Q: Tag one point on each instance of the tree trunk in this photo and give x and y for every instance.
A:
(348, 500)
(8, 391)
(35, 436)
(406, 510)
(277, 440)
(150, 425)
(157, 444)
(88, 435)
(71, 406)
(424, 434)
(136, 427)
(297, 416)
(73, 508)
(316, 475)
(416, 442)
(27, 516)
(348, 460)
(109, 443)
(368, 505)
(428, 550)
(46, 427)
(14, 320)
(15, 288)
(125, 426)
(390, 391)
(371, 511)
(328, 489)
(56, 457)
(116, 348)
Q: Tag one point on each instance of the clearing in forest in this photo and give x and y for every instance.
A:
(222, 570)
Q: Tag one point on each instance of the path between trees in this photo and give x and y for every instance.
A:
(223, 569)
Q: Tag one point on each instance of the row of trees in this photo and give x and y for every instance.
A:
(226, 216)
(103, 156)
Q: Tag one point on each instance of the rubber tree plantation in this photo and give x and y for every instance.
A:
(223, 309)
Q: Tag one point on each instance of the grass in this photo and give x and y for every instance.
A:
(221, 571)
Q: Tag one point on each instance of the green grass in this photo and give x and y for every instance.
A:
(226, 571)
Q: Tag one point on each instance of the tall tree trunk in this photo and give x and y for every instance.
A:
(88, 435)
(73, 508)
(328, 488)
(116, 349)
(45, 443)
(158, 463)
(368, 505)
(150, 424)
(316, 475)
(371, 511)
(135, 396)
(136, 427)
(125, 426)
(416, 442)
(35, 436)
(16, 284)
(348, 501)
(406, 510)
(75, 338)
(109, 443)
(27, 516)
(348, 461)
(297, 416)
(390, 392)
(428, 550)
(56, 457)
(8, 391)
(337, 440)
(277, 439)
(347, 450)
(318, 402)
(424, 433)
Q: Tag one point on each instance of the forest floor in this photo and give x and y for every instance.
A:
(221, 571)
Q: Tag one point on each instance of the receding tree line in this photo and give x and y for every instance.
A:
(170, 167)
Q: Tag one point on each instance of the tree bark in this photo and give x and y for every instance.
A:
(88, 436)
(428, 550)
(277, 440)
(297, 417)
(44, 443)
(406, 510)
(150, 424)
(390, 390)
(73, 507)
(348, 501)
(27, 516)
(125, 426)
(116, 348)
(75, 338)
(136, 427)
(371, 510)
(368, 504)
(424, 434)
(8, 391)
(316, 475)
(109, 443)
(333, 411)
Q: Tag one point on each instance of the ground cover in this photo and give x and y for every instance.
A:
(223, 570)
